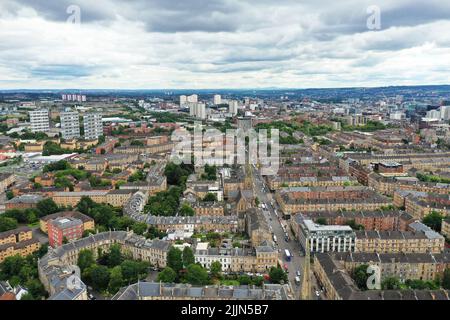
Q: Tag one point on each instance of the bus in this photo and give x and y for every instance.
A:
(288, 255)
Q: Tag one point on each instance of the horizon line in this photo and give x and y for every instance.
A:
(234, 89)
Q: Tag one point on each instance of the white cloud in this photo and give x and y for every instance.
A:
(221, 43)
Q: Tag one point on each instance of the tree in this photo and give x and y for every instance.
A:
(133, 270)
(245, 280)
(85, 205)
(7, 224)
(216, 268)
(446, 279)
(120, 183)
(434, 220)
(11, 266)
(168, 275)
(56, 166)
(35, 288)
(9, 195)
(85, 259)
(114, 257)
(115, 280)
(210, 197)
(139, 228)
(46, 207)
(197, 275)
(186, 210)
(188, 257)
(277, 275)
(174, 259)
(390, 283)
(27, 296)
(360, 276)
(98, 277)
(322, 221)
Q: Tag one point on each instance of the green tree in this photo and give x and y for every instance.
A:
(11, 266)
(9, 195)
(98, 277)
(115, 280)
(277, 275)
(188, 257)
(245, 280)
(197, 275)
(322, 221)
(434, 220)
(168, 275)
(216, 268)
(7, 224)
(139, 228)
(390, 283)
(27, 296)
(360, 276)
(35, 288)
(56, 166)
(114, 257)
(186, 210)
(210, 197)
(85, 205)
(174, 259)
(85, 259)
(46, 207)
(134, 270)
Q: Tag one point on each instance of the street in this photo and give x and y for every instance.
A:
(275, 222)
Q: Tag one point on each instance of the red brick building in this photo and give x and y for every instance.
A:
(64, 228)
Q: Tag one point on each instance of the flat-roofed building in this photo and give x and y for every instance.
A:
(88, 222)
(64, 229)
(70, 125)
(325, 238)
(39, 120)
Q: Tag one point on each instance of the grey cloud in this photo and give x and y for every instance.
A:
(61, 71)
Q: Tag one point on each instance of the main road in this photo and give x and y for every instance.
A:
(279, 228)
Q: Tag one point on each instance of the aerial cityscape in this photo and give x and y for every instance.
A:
(224, 150)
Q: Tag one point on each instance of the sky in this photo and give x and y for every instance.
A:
(213, 44)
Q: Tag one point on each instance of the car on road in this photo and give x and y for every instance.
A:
(298, 273)
(297, 281)
(317, 293)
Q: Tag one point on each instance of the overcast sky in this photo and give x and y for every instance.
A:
(153, 44)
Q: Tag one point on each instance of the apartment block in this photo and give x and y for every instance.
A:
(17, 242)
(93, 126)
(70, 125)
(39, 120)
(64, 229)
(399, 241)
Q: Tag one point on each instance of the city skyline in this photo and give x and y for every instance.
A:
(222, 44)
